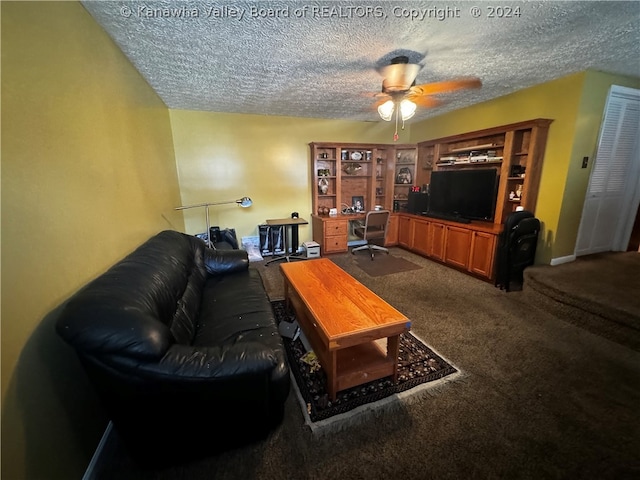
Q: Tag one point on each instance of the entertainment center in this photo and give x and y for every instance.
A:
(474, 180)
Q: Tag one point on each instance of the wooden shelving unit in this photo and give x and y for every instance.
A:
(516, 151)
(404, 175)
(383, 175)
(344, 172)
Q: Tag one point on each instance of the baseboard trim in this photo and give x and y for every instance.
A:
(90, 473)
(561, 260)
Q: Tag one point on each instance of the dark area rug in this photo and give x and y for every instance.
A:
(417, 365)
(383, 264)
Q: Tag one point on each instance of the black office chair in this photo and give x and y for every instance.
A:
(517, 248)
(374, 231)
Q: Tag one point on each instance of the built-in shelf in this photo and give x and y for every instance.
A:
(486, 146)
(514, 148)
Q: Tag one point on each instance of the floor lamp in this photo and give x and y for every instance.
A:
(244, 202)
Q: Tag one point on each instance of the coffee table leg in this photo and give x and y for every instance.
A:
(332, 373)
(393, 349)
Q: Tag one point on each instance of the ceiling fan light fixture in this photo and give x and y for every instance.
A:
(407, 109)
(386, 110)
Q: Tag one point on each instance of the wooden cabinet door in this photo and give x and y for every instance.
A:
(482, 251)
(392, 234)
(405, 231)
(457, 246)
(436, 241)
(421, 236)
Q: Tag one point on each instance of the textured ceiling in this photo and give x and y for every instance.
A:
(320, 59)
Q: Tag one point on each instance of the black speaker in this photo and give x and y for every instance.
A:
(418, 202)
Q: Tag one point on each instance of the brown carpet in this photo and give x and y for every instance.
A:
(383, 264)
(541, 398)
(598, 292)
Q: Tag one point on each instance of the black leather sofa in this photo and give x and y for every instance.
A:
(181, 343)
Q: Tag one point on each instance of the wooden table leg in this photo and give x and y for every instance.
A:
(393, 349)
(332, 374)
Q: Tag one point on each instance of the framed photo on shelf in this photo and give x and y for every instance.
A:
(357, 203)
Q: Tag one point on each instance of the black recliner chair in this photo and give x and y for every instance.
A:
(516, 248)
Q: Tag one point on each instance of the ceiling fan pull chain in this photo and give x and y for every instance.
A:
(395, 135)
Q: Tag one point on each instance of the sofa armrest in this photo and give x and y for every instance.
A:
(189, 362)
(218, 262)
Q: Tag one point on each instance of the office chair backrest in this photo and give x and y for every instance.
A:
(516, 247)
(523, 242)
(511, 222)
(376, 223)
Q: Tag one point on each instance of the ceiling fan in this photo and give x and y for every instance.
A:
(400, 94)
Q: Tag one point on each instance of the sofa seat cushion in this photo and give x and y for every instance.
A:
(234, 308)
(236, 312)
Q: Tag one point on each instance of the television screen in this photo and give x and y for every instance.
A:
(468, 194)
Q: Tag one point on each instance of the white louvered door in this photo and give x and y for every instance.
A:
(614, 177)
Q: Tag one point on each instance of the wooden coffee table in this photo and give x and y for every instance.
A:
(345, 323)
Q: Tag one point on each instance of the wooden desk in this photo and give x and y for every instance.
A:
(332, 232)
(287, 223)
(344, 322)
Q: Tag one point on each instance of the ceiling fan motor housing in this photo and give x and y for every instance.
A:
(400, 76)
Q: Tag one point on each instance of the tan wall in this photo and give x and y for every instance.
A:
(88, 173)
(226, 156)
(575, 104)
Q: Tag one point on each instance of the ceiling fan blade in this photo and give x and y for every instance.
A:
(425, 101)
(446, 86)
(383, 99)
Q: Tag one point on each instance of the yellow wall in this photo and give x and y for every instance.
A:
(88, 173)
(226, 156)
(585, 142)
(575, 103)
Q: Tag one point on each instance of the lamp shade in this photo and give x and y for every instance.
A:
(244, 202)
(407, 109)
(386, 110)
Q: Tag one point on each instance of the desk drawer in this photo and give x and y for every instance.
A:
(335, 227)
(335, 243)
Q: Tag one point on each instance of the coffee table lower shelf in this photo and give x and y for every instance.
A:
(362, 364)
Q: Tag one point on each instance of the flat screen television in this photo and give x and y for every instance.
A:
(465, 194)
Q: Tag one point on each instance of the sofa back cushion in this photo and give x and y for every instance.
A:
(143, 304)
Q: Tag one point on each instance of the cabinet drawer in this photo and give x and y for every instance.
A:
(335, 243)
(335, 228)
